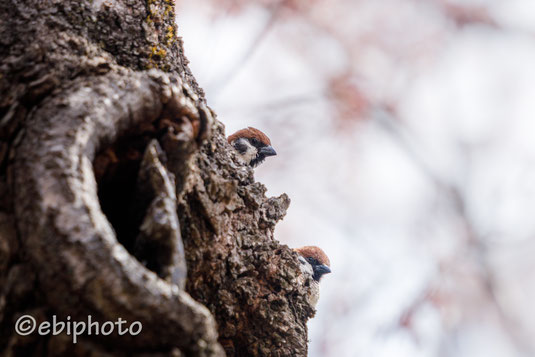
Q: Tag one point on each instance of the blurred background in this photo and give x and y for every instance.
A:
(405, 134)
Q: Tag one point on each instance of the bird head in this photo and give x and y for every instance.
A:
(317, 259)
(252, 145)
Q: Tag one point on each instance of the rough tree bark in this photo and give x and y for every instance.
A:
(115, 176)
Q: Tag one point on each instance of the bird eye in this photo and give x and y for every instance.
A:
(254, 141)
(312, 261)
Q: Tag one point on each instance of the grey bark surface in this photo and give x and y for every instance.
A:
(120, 197)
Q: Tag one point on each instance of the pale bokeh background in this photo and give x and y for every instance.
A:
(405, 133)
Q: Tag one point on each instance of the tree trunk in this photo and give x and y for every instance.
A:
(115, 176)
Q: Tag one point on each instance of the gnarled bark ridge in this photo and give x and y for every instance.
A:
(115, 176)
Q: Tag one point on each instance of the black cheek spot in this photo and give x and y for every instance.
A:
(240, 147)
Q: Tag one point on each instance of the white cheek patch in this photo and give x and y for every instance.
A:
(251, 152)
(314, 288)
(305, 266)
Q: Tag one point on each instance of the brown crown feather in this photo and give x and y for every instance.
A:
(311, 251)
(250, 133)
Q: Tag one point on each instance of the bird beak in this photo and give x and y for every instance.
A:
(322, 269)
(267, 151)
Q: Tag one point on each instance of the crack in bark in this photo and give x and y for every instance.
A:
(82, 268)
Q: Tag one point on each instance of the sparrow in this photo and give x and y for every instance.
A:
(314, 264)
(252, 145)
